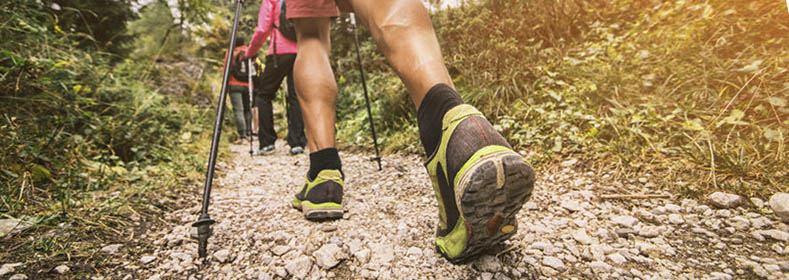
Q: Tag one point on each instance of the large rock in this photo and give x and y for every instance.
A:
(724, 200)
(362, 255)
(112, 249)
(9, 268)
(11, 226)
(739, 222)
(280, 250)
(227, 269)
(328, 256)
(147, 259)
(62, 269)
(554, 262)
(616, 258)
(625, 221)
(648, 231)
(599, 267)
(757, 202)
(545, 247)
(281, 272)
(299, 267)
(488, 263)
(571, 205)
(775, 234)
(414, 251)
(676, 219)
(581, 236)
(355, 245)
(383, 254)
(780, 204)
(222, 256)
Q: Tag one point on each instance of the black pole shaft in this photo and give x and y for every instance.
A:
(220, 112)
(366, 97)
(251, 99)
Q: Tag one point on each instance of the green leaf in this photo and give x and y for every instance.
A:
(9, 173)
(592, 132)
(18, 60)
(39, 173)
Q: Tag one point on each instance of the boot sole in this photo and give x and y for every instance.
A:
(491, 192)
(319, 213)
(322, 213)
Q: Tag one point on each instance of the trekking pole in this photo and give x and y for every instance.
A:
(366, 97)
(249, 117)
(204, 222)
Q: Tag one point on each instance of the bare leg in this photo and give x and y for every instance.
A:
(315, 85)
(404, 33)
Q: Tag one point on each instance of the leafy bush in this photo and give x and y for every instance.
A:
(95, 25)
(81, 135)
(689, 91)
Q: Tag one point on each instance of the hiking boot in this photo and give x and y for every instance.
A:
(321, 198)
(480, 184)
(296, 150)
(264, 150)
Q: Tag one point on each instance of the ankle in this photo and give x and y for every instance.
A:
(436, 103)
(328, 158)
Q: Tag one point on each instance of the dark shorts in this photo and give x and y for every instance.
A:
(316, 8)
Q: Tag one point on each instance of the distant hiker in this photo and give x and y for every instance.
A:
(239, 92)
(279, 63)
(479, 181)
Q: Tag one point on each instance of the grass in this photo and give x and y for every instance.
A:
(93, 154)
(693, 93)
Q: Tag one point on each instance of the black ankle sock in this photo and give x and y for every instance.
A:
(328, 158)
(437, 102)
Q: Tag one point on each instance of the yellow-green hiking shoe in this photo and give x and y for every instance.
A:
(480, 184)
(321, 198)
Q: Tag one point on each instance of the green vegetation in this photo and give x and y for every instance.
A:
(89, 143)
(692, 92)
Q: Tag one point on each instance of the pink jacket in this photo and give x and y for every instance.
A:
(269, 14)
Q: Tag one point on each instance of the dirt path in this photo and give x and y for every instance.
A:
(566, 231)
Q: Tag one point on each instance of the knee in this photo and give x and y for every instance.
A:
(312, 29)
(403, 20)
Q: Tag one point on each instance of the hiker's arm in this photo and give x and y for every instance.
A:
(265, 20)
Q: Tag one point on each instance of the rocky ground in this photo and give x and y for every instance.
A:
(568, 230)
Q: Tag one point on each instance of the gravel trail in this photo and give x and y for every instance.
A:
(566, 230)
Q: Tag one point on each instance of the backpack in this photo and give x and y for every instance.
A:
(285, 27)
(240, 68)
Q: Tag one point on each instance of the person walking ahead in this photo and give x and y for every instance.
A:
(267, 84)
(479, 181)
(239, 93)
